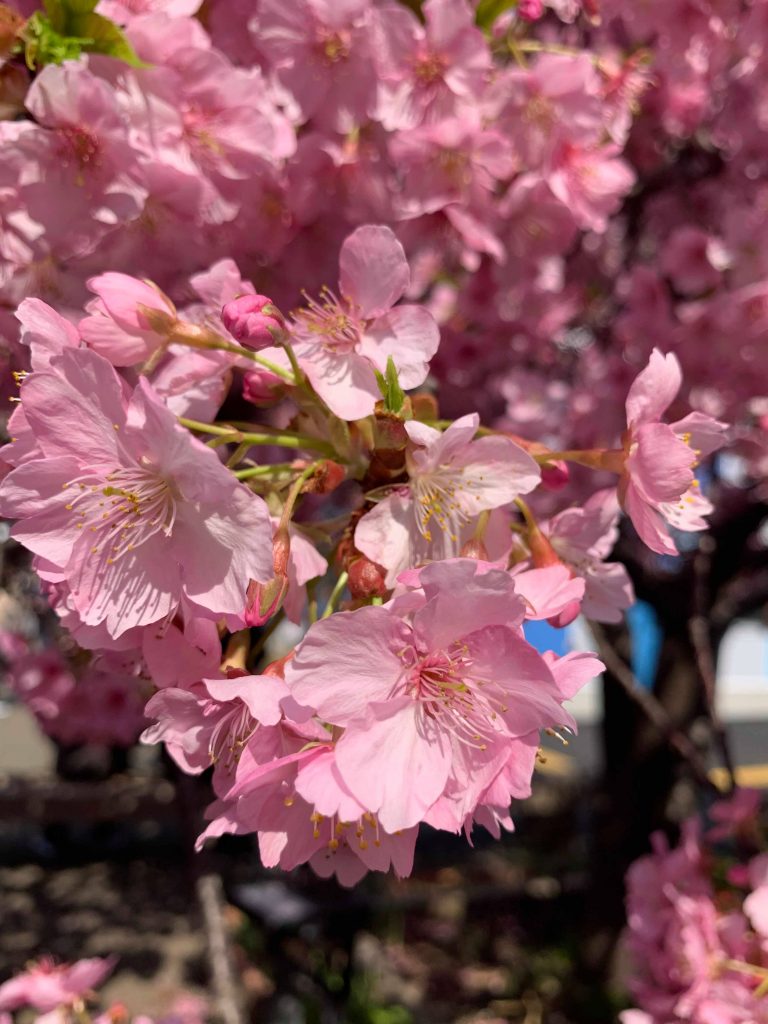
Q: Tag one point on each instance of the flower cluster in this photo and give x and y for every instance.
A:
(267, 276)
(698, 923)
(61, 993)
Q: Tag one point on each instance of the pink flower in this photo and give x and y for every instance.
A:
(428, 72)
(46, 986)
(591, 182)
(452, 478)
(135, 514)
(128, 321)
(211, 722)
(341, 342)
(88, 130)
(657, 484)
(322, 54)
(449, 162)
(734, 814)
(429, 690)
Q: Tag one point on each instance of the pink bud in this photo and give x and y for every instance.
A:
(531, 10)
(254, 320)
(554, 475)
(263, 600)
(262, 387)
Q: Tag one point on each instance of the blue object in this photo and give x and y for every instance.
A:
(546, 638)
(645, 638)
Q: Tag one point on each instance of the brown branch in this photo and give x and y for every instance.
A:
(698, 629)
(210, 894)
(653, 709)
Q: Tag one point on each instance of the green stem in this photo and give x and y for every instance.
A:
(203, 428)
(192, 336)
(269, 470)
(285, 439)
(336, 593)
(237, 455)
(298, 373)
(295, 491)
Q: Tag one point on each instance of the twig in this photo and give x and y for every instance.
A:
(210, 893)
(698, 629)
(652, 708)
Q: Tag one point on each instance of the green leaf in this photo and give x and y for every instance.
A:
(106, 38)
(488, 11)
(69, 28)
(389, 385)
(43, 44)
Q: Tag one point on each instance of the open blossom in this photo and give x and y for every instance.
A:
(432, 694)
(432, 71)
(126, 507)
(657, 485)
(321, 52)
(342, 341)
(697, 947)
(46, 985)
(452, 479)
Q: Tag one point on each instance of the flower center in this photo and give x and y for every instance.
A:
(230, 734)
(329, 321)
(429, 68)
(124, 509)
(435, 494)
(80, 145)
(334, 46)
(451, 697)
(199, 130)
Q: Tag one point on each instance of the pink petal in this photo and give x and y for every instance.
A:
(122, 295)
(373, 270)
(346, 383)
(660, 463)
(346, 661)
(392, 766)
(262, 695)
(410, 335)
(649, 523)
(319, 782)
(548, 591)
(654, 389)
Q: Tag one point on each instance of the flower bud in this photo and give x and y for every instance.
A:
(474, 548)
(262, 387)
(254, 320)
(555, 475)
(327, 477)
(366, 579)
(530, 10)
(263, 600)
